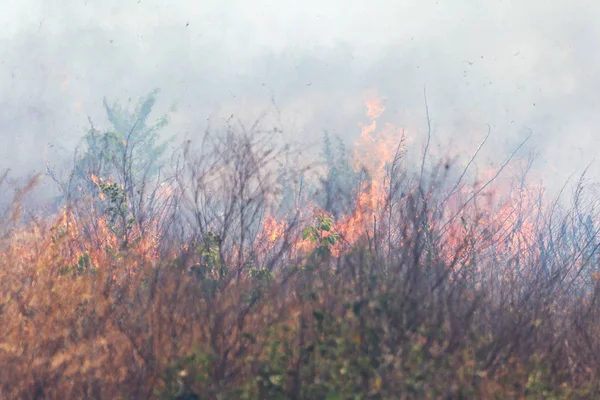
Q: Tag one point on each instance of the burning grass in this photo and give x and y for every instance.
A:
(236, 276)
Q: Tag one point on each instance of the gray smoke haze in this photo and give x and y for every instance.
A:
(518, 66)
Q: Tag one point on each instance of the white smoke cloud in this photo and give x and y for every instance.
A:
(514, 65)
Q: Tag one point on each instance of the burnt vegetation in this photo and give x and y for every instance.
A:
(229, 268)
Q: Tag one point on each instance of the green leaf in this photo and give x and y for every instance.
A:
(306, 233)
(331, 239)
(276, 380)
(357, 306)
(319, 316)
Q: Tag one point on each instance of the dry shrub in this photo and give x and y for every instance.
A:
(429, 299)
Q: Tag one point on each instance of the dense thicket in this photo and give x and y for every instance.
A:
(225, 270)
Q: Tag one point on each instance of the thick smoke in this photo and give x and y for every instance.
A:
(517, 67)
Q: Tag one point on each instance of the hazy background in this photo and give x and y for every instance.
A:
(515, 65)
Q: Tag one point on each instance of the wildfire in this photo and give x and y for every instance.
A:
(466, 227)
(374, 150)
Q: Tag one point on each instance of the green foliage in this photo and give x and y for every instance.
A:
(120, 218)
(84, 265)
(196, 369)
(321, 235)
(339, 180)
(260, 274)
(211, 269)
(129, 153)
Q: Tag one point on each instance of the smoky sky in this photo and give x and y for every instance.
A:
(517, 66)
